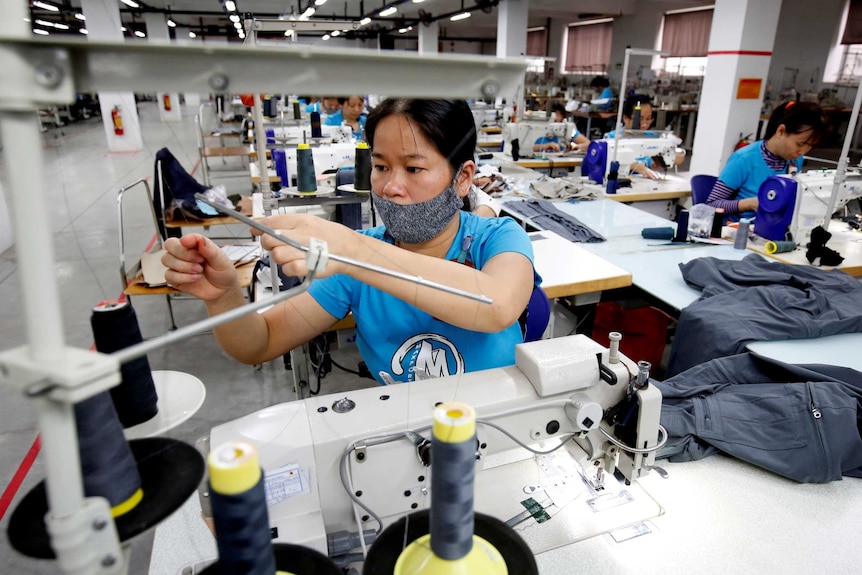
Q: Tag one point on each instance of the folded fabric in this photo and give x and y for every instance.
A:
(545, 215)
(561, 188)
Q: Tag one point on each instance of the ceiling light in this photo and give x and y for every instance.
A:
(288, 33)
(230, 6)
(192, 35)
(44, 23)
(336, 33)
(45, 6)
(237, 25)
(319, 2)
(402, 31)
(325, 37)
(418, 1)
(80, 16)
(140, 34)
(388, 11)
(461, 16)
(40, 31)
(309, 12)
(171, 23)
(59, 26)
(131, 3)
(365, 21)
(83, 31)
(241, 34)
(233, 17)
(122, 28)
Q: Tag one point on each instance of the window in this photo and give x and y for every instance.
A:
(537, 42)
(844, 64)
(588, 47)
(685, 34)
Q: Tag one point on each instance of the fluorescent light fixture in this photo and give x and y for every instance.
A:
(192, 35)
(237, 25)
(418, 1)
(388, 11)
(46, 6)
(309, 12)
(365, 21)
(325, 37)
(80, 16)
(336, 33)
(59, 26)
(288, 33)
(122, 28)
(83, 31)
(140, 34)
(131, 3)
(319, 2)
(171, 23)
(40, 31)
(230, 6)
(233, 17)
(402, 31)
(241, 35)
(461, 16)
(44, 23)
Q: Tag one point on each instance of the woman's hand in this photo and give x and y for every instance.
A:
(198, 267)
(644, 171)
(340, 240)
(748, 204)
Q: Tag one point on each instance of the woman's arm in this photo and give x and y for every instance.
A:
(506, 278)
(721, 197)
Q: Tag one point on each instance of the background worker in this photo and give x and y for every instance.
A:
(642, 104)
(423, 166)
(551, 143)
(793, 129)
(350, 114)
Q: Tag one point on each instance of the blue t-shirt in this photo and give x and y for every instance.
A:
(746, 170)
(605, 99)
(337, 119)
(397, 338)
(645, 160)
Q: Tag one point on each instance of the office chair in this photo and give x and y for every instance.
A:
(701, 186)
(536, 317)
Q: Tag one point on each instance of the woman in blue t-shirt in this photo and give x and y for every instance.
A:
(793, 129)
(422, 154)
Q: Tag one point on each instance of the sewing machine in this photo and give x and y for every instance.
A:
(326, 158)
(600, 153)
(375, 439)
(291, 136)
(798, 203)
(526, 134)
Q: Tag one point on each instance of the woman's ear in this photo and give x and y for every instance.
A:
(465, 178)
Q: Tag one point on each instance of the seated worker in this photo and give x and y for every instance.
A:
(606, 95)
(349, 114)
(552, 142)
(793, 129)
(422, 167)
(641, 103)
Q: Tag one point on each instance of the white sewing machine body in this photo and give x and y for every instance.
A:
(526, 133)
(326, 158)
(597, 162)
(797, 203)
(556, 389)
(292, 136)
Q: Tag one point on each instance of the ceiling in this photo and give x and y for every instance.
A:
(208, 18)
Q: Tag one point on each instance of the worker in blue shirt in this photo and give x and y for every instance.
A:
(350, 114)
(606, 96)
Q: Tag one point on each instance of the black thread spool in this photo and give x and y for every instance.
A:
(115, 327)
(306, 180)
(717, 223)
(362, 173)
(316, 130)
(296, 112)
(681, 227)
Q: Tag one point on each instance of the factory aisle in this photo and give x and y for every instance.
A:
(82, 180)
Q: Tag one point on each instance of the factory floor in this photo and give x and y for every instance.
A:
(81, 183)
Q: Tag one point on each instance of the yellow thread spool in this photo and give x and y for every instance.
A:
(233, 467)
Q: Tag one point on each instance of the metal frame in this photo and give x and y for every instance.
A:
(37, 73)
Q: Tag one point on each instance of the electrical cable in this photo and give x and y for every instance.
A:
(342, 368)
(629, 449)
(522, 444)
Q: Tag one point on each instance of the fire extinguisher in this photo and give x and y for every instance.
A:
(166, 99)
(117, 118)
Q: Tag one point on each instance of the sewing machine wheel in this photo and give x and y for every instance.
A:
(388, 546)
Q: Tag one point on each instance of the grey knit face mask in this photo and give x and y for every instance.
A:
(418, 223)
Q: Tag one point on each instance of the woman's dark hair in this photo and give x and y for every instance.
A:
(558, 107)
(449, 124)
(632, 101)
(798, 117)
(599, 82)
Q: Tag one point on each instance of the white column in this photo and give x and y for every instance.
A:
(740, 50)
(103, 23)
(11, 25)
(512, 41)
(429, 37)
(168, 102)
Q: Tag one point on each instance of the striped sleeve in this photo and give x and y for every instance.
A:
(720, 197)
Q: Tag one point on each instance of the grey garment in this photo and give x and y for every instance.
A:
(802, 422)
(760, 300)
(545, 215)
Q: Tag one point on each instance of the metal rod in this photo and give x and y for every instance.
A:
(840, 172)
(345, 260)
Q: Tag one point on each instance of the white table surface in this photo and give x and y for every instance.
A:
(842, 349)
